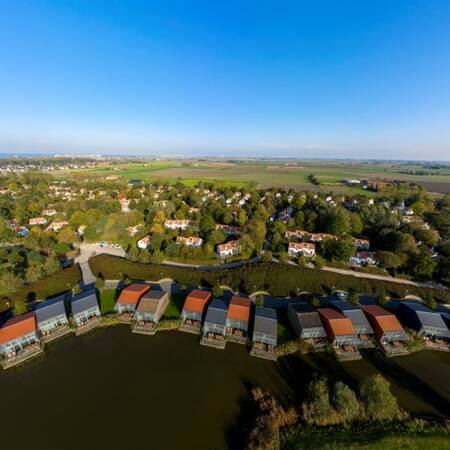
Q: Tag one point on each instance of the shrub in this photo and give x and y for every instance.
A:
(379, 403)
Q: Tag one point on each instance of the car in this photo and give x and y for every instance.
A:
(116, 246)
(103, 244)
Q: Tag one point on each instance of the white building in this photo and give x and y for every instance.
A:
(301, 248)
(144, 242)
(183, 224)
(228, 249)
(190, 241)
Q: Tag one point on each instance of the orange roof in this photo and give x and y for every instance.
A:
(239, 308)
(132, 293)
(17, 326)
(384, 319)
(335, 322)
(196, 300)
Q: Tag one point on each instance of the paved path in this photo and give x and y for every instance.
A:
(229, 265)
(86, 252)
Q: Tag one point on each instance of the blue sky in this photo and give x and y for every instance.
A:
(248, 78)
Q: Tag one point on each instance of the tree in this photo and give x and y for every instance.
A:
(267, 256)
(317, 408)
(379, 403)
(338, 249)
(390, 260)
(430, 301)
(217, 291)
(353, 297)
(381, 299)
(421, 264)
(345, 402)
(99, 283)
(20, 307)
(9, 284)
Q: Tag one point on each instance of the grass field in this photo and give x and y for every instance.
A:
(267, 174)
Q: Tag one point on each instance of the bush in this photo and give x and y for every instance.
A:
(379, 403)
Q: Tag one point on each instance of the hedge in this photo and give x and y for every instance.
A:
(278, 279)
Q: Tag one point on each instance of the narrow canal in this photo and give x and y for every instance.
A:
(116, 390)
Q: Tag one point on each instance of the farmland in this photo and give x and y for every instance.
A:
(274, 173)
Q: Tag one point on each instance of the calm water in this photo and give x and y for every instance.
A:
(116, 390)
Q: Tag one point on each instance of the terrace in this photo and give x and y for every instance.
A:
(85, 311)
(51, 318)
(150, 309)
(128, 301)
(238, 319)
(193, 309)
(265, 333)
(214, 326)
(15, 358)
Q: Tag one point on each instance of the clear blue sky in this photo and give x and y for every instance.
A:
(258, 78)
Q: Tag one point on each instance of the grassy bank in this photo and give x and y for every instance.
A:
(53, 284)
(278, 279)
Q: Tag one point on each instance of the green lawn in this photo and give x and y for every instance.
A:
(107, 299)
(175, 307)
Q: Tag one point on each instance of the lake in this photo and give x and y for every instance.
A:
(117, 390)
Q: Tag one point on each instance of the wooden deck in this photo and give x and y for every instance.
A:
(211, 341)
(149, 328)
(24, 356)
(57, 334)
(238, 336)
(87, 326)
(391, 349)
(125, 317)
(264, 351)
(436, 345)
(347, 353)
(190, 327)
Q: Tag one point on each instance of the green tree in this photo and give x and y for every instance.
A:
(99, 283)
(381, 299)
(20, 307)
(379, 403)
(317, 409)
(353, 297)
(345, 402)
(217, 291)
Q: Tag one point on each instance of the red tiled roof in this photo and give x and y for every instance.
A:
(381, 320)
(335, 323)
(239, 308)
(196, 300)
(132, 293)
(17, 326)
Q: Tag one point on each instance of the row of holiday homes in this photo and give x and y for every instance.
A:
(345, 326)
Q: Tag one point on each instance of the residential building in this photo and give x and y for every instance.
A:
(191, 241)
(37, 221)
(51, 319)
(362, 244)
(134, 230)
(183, 224)
(214, 326)
(427, 323)
(230, 248)
(144, 242)
(149, 311)
(296, 235)
(56, 226)
(49, 212)
(128, 301)
(85, 311)
(388, 331)
(265, 331)
(359, 321)
(301, 249)
(238, 319)
(19, 340)
(285, 214)
(363, 259)
(307, 325)
(193, 311)
(341, 333)
(229, 229)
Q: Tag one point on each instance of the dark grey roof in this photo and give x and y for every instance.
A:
(354, 313)
(306, 315)
(217, 312)
(84, 301)
(265, 321)
(50, 308)
(154, 294)
(428, 317)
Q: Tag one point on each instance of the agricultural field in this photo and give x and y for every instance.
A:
(286, 174)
